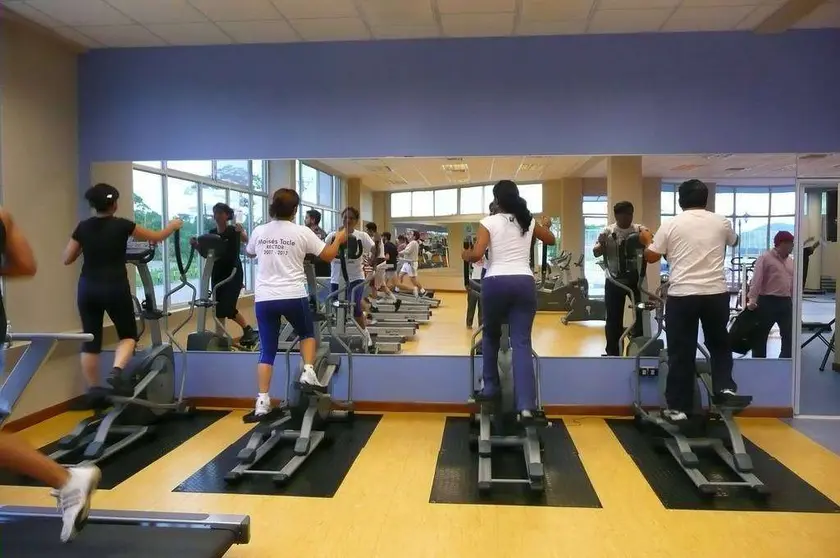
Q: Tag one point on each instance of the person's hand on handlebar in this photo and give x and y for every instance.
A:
(193, 241)
(341, 235)
(602, 238)
(752, 305)
(175, 224)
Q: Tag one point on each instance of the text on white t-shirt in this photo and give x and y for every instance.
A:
(280, 248)
(510, 250)
(695, 244)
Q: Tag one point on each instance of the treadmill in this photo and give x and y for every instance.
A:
(34, 531)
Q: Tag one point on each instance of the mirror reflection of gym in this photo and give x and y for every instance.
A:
(442, 199)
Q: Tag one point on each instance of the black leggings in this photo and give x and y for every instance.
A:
(227, 296)
(95, 299)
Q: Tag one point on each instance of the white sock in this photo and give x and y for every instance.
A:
(368, 340)
(415, 291)
(263, 396)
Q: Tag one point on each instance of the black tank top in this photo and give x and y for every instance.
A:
(2, 307)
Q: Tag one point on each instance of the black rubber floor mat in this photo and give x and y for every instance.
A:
(170, 433)
(319, 477)
(456, 473)
(788, 492)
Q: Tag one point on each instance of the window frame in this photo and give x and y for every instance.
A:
(166, 173)
(485, 203)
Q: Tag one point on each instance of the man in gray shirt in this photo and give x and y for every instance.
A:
(622, 267)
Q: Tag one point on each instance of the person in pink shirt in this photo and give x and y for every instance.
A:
(771, 295)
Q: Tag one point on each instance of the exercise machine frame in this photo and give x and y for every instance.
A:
(208, 245)
(496, 412)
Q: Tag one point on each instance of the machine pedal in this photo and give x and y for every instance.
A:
(733, 404)
(310, 389)
(273, 414)
(233, 478)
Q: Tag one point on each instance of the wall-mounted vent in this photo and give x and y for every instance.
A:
(459, 180)
(531, 167)
(718, 156)
(812, 156)
(686, 168)
(455, 159)
(378, 169)
(456, 168)
(736, 169)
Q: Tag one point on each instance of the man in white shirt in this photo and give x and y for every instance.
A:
(694, 243)
(411, 254)
(611, 246)
(348, 267)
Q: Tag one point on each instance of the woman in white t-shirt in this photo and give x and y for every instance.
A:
(508, 294)
(410, 255)
(281, 248)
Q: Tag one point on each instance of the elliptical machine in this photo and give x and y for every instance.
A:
(634, 256)
(151, 372)
(305, 405)
(209, 246)
(497, 423)
(680, 445)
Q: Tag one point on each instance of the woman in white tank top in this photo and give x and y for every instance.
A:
(508, 292)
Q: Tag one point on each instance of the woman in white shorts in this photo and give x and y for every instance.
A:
(410, 255)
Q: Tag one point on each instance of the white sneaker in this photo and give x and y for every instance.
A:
(674, 416)
(730, 392)
(74, 499)
(263, 406)
(309, 377)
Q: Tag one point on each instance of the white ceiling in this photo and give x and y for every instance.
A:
(420, 172)
(145, 23)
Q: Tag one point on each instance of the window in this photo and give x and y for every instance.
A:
(182, 202)
(190, 193)
(401, 204)
(325, 189)
(257, 175)
(594, 220)
(422, 203)
(532, 194)
(446, 202)
(308, 184)
(210, 196)
(667, 201)
(150, 164)
(197, 168)
(235, 172)
(724, 200)
(472, 200)
(148, 213)
(783, 202)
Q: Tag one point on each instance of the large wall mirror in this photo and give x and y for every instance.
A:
(443, 199)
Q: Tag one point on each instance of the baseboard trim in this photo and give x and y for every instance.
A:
(40, 416)
(463, 408)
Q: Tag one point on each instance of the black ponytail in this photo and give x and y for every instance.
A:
(509, 201)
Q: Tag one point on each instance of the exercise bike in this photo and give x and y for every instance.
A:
(555, 291)
(679, 444)
(209, 246)
(151, 373)
(497, 420)
(307, 406)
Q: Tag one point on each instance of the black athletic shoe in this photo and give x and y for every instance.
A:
(120, 385)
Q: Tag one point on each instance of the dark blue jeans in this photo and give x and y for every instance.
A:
(509, 299)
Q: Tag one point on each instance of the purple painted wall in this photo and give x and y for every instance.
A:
(602, 94)
(445, 379)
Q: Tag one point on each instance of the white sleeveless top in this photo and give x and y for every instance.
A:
(510, 250)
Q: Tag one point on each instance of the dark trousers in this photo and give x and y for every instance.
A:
(682, 315)
(473, 304)
(774, 310)
(509, 299)
(614, 301)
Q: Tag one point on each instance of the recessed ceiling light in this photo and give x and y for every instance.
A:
(813, 156)
(787, 167)
(456, 168)
(718, 156)
(736, 169)
(531, 167)
(378, 169)
(396, 181)
(687, 167)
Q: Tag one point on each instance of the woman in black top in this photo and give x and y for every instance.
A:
(227, 295)
(103, 283)
(74, 486)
